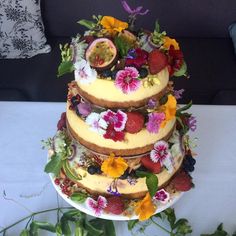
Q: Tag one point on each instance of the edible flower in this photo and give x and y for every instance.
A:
(96, 206)
(154, 121)
(114, 166)
(136, 57)
(113, 25)
(127, 80)
(162, 196)
(112, 189)
(169, 108)
(84, 109)
(145, 208)
(111, 133)
(168, 42)
(192, 123)
(84, 73)
(134, 12)
(178, 93)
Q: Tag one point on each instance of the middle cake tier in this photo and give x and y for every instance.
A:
(133, 144)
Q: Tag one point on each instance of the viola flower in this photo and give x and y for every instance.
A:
(114, 166)
(134, 12)
(192, 123)
(175, 60)
(113, 25)
(178, 93)
(96, 123)
(151, 103)
(162, 196)
(113, 188)
(96, 206)
(145, 208)
(127, 80)
(84, 73)
(117, 119)
(84, 109)
(111, 133)
(136, 57)
(170, 42)
(154, 121)
(160, 152)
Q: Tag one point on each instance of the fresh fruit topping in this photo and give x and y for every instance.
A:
(57, 181)
(182, 181)
(134, 123)
(62, 122)
(143, 72)
(157, 61)
(125, 175)
(188, 163)
(115, 205)
(88, 38)
(101, 53)
(136, 57)
(150, 165)
(94, 170)
(128, 37)
(106, 73)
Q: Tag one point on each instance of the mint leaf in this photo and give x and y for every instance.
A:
(65, 67)
(132, 223)
(182, 70)
(219, 232)
(79, 197)
(142, 174)
(106, 226)
(87, 23)
(54, 165)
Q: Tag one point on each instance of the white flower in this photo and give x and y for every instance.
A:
(78, 48)
(84, 73)
(96, 123)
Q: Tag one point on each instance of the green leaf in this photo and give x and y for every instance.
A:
(170, 213)
(87, 23)
(54, 165)
(65, 67)
(79, 197)
(74, 215)
(184, 108)
(24, 232)
(182, 227)
(122, 46)
(36, 225)
(33, 231)
(106, 226)
(151, 181)
(132, 223)
(218, 232)
(182, 70)
(94, 231)
(65, 227)
(58, 229)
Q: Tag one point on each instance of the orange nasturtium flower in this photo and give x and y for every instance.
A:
(113, 25)
(169, 41)
(114, 166)
(169, 108)
(145, 208)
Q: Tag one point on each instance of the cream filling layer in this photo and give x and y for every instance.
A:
(132, 141)
(106, 90)
(101, 183)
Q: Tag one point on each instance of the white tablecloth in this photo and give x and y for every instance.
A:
(23, 125)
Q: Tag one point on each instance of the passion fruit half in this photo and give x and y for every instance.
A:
(101, 54)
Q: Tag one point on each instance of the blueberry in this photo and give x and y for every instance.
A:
(92, 170)
(113, 74)
(125, 175)
(74, 101)
(143, 72)
(106, 73)
(98, 170)
(190, 159)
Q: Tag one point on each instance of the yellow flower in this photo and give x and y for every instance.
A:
(169, 41)
(114, 166)
(169, 109)
(113, 25)
(145, 208)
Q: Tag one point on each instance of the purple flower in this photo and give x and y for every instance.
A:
(162, 196)
(133, 12)
(127, 80)
(84, 109)
(154, 121)
(131, 181)
(192, 123)
(113, 189)
(178, 93)
(96, 206)
(151, 103)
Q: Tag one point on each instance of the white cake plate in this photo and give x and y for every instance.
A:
(82, 206)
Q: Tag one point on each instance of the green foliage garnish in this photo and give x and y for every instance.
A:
(122, 45)
(157, 36)
(182, 71)
(106, 226)
(54, 165)
(151, 181)
(93, 26)
(79, 197)
(219, 232)
(64, 68)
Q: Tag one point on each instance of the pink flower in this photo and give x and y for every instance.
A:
(96, 206)
(126, 80)
(160, 152)
(111, 133)
(154, 121)
(117, 119)
(162, 196)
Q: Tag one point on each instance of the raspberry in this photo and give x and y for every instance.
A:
(150, 165)
(134, 123)
(182, 181)
(157, 61)
(115, 205)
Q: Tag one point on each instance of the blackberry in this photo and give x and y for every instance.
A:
(98, 170)
(92, 170)
(74, 101)
(190, 159)
(143, 72)
(125, 175)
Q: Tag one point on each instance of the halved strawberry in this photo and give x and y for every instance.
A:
(157, 61)
(115, 205)
(134, 123)
(182, 181)
(150, 165)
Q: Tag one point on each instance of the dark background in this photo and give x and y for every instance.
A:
(201, 28)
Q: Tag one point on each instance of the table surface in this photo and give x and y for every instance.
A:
(24, 124)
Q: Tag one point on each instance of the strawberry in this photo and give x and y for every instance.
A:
(62, 122)
(115, 205)
(182, 181)
(150, 165)
(134, 123)
(157, 61)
